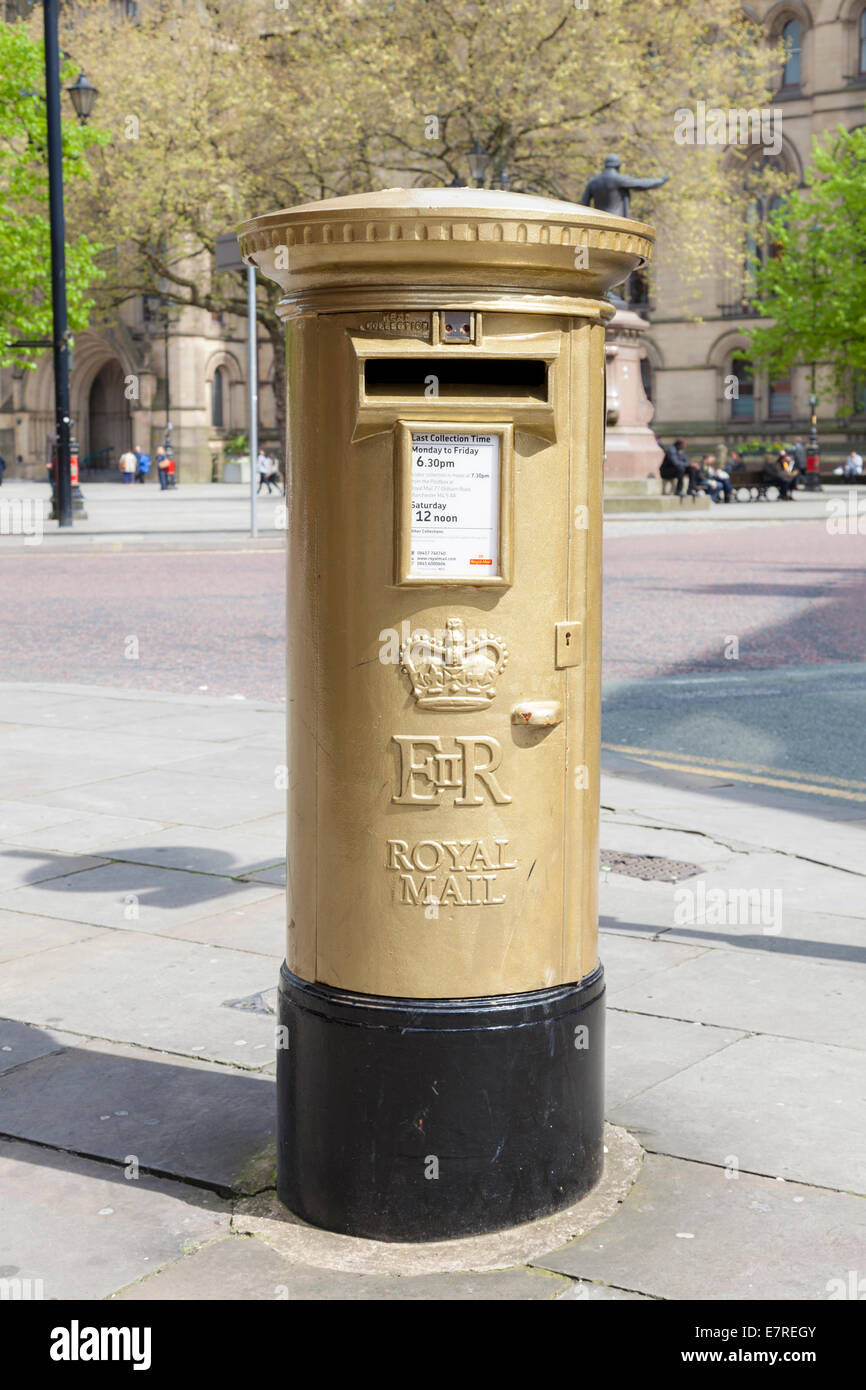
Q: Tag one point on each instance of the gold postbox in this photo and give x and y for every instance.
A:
(445, 362)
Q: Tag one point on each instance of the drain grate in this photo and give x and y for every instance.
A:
(647, 866)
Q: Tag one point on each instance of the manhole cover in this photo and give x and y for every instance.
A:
(647, 866)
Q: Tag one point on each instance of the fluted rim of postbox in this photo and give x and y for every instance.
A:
(440, 236)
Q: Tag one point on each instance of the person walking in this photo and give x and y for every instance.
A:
(274, 474)
(128, 466)
(142, 464)
(2, 468)
(162, 468)
(264, 468)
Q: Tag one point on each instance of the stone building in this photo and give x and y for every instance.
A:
(125, 373)
(131, 377)
(822, 86)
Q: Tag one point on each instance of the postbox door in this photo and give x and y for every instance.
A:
(443, 768)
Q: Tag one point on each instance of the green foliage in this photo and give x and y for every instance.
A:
(236, 446)
(25, 247)
(814, 286)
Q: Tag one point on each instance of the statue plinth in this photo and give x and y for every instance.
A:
(630, 448)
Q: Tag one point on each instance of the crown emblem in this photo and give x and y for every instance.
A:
(454, 669)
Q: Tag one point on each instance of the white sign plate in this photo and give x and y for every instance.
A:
(455, 505)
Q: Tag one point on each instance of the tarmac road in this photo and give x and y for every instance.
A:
(737, 648)
(740, 652)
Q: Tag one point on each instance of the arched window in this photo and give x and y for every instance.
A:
(861, 32)
(791, 37)
(216, 399)
(743, 394)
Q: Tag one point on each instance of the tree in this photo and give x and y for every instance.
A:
(225, 110)
(813, 287)
(25, 246)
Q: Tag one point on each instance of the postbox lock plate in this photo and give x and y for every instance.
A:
(569, 644)
(459, 326)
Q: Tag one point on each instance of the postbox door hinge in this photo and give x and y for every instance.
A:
(569, 644)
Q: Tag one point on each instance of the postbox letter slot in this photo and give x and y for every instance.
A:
(456, 378)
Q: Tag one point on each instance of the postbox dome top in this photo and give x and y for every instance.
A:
(441, 237)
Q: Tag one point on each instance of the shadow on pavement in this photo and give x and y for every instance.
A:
(223, 875)
(163, 1117)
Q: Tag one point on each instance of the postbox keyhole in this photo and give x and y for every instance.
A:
(568, 644)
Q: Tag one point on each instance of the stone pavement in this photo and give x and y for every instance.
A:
(217, 515)
(141, 923)
(142, 518)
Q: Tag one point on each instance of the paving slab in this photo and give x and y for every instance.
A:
(171, 796)
(670, 844)
(225, 723)
(732, 813)
(582, 1290)
(685, 1231)
(133, 896)
(247, 1268)
(248, 761)
(276, 874)
(20, 865)
(822, 937)
(259, 926)
(20, 1043)
(63, 708)
(629, 908)
(233, 853)
(630, 961)
(117, 745)
(84, 833)
(183, 1118)
(645, 907)
(641, 1051)
(23, 934)
(780, 1107)
(147, 990)
(28, 777)
(804, 886)
(21, 817)
(85, 1230)
(267, 826)
(784, 995)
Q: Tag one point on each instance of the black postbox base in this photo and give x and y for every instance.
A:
(428, 1119)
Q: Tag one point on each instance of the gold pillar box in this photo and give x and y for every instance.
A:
(446, 404)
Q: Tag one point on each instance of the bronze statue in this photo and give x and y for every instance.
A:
(609, 190)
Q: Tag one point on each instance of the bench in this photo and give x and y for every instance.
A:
(748, 485)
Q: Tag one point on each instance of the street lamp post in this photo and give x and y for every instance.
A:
(60, 343)
(813, 454)
(172, 476)
(83, 96)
